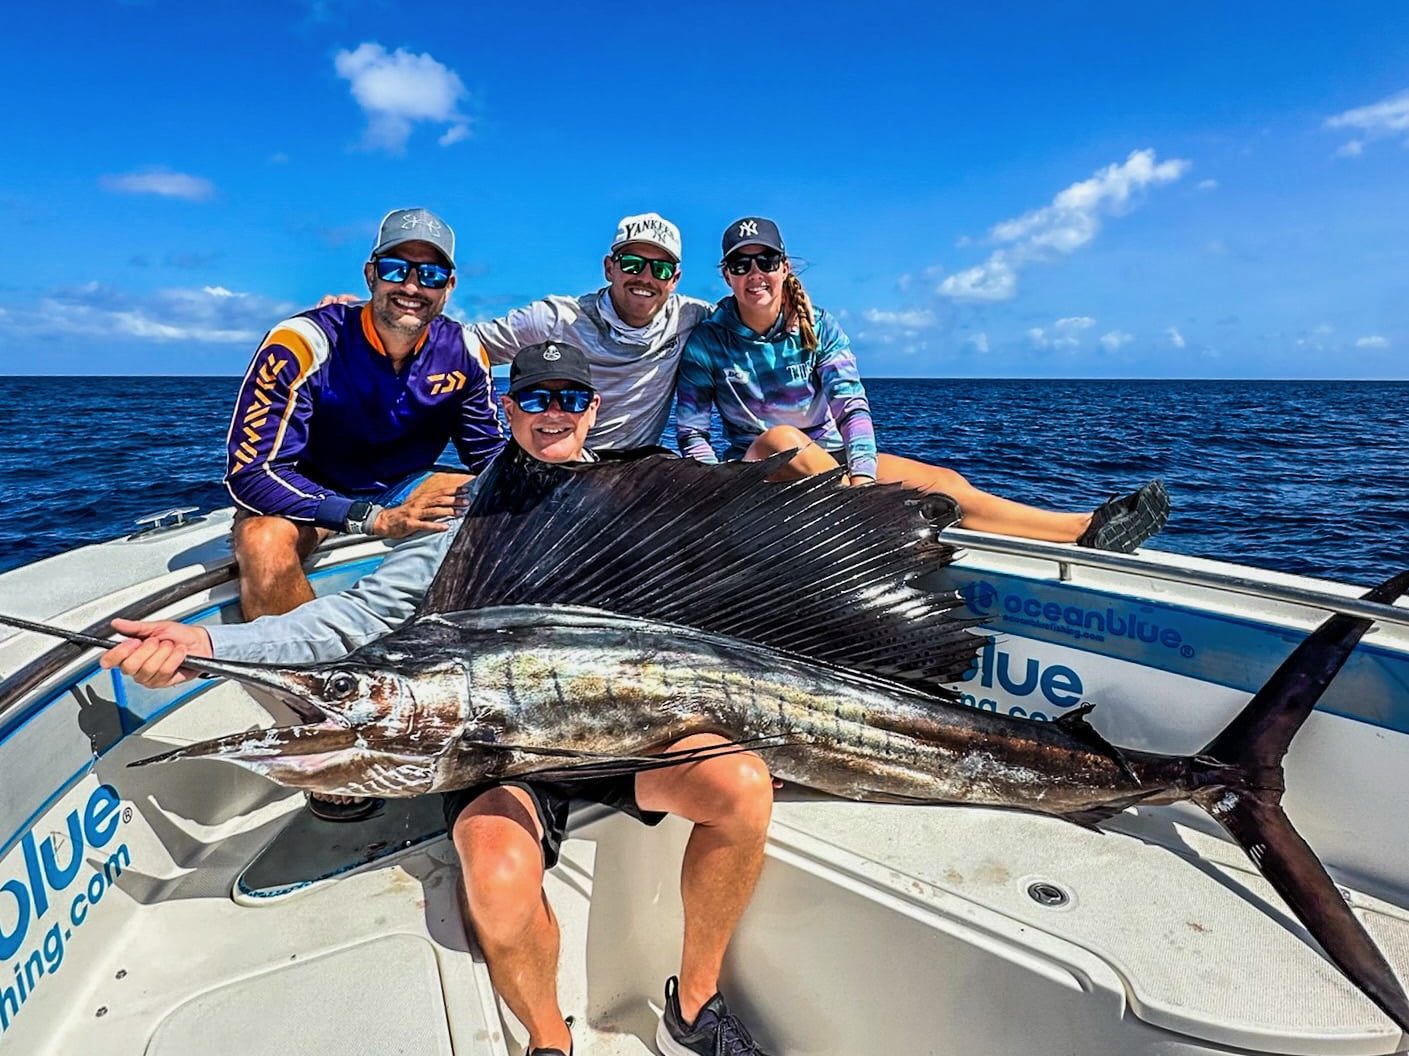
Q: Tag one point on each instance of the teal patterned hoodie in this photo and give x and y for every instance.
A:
(761, 380)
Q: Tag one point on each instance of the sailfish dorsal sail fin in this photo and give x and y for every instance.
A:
(808, 565)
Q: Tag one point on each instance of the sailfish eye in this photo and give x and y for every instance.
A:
(341, 686)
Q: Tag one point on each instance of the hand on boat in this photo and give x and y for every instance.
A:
(428, 508)
(339, 298)
(153, 652)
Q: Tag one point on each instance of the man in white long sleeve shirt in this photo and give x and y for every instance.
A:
(507, 835)
(633, 331)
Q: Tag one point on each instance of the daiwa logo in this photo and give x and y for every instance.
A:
(1076, 621)
(27, 899)
(1056, 684)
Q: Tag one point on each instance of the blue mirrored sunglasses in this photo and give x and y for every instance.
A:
(394, 269)
(535, 401)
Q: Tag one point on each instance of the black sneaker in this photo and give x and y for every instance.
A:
(715, 1032)
(1122, 524)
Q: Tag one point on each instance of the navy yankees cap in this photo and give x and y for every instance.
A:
(752, 231)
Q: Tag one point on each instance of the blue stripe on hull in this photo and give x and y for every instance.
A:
(1217, 648)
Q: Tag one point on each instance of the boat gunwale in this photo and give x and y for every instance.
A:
(1066, 557)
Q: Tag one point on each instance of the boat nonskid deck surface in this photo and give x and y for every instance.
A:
(179, 908)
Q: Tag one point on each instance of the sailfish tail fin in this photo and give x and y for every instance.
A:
(1242, 768)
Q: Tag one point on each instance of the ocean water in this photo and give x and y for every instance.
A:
(1304, 477)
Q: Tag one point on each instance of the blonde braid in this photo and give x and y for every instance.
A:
(800, 308)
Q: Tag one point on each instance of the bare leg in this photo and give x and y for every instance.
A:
(983, 512)
(730, 800)
(270, 552)
(501, 858)
(810, 459)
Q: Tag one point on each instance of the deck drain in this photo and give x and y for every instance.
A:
(1047, 894)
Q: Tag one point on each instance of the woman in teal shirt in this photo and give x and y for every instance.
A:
(782, 376)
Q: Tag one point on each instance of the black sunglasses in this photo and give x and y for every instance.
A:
(394, 269)
(535, 401)
(634, 264)
(739, 263)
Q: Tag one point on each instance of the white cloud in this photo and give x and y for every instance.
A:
(1065, 333)
(397, 89)
(1115, 339)
(1207, 185)
(1373, 341)
(1388, 117)
(979, 343)
(1317, 338)
(454, 134)
(159, 181)
(907, 318)
(1070, 222)
(993, 280)
(1176, 339)
(210, 315)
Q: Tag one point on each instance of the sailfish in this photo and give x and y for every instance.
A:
(589, 615)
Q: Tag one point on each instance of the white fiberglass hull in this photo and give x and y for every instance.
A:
(124, 929)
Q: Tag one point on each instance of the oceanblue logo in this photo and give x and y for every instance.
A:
(51, 867)
(1058, 685)
(1076, 621)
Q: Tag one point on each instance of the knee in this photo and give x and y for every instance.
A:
(503, 876)
(946, 481)
(737, 790)
(780, 438)
(261, 542)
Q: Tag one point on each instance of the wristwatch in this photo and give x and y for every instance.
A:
(359, 518)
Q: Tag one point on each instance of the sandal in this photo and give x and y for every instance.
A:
(1122, 524)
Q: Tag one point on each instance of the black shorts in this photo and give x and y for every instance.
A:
(552, 800)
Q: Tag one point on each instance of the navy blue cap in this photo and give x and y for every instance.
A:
(549, 361)
(752, 231)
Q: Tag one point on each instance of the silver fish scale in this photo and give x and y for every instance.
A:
(615, 686)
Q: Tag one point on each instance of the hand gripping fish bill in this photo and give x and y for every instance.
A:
(588, 614)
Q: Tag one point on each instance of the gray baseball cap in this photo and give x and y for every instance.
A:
(415, 225)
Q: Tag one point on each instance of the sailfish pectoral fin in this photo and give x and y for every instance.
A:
(274, 742)
(589, 765)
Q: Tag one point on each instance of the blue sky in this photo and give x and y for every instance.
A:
(993, 190)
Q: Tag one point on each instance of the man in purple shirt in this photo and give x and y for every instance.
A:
(344, 410)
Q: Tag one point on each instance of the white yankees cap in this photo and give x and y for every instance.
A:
(651, 228)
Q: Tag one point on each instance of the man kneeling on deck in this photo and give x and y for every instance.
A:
(507, 835)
